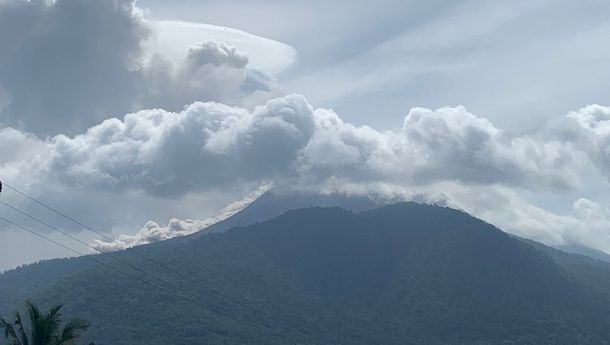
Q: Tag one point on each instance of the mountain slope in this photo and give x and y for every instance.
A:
(400, 274)
(273, 203)
(20, 284)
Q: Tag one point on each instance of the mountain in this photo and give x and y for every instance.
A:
(585, 251)
(20, 284)
(400, 274)
(274, 203)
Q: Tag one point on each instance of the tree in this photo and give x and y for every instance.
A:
(42, 329)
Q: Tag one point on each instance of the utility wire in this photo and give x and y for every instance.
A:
(114, 257)
(169, 292)
(131, 250)
(21, 227)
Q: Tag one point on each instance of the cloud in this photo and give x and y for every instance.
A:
(206, 119)
(211, 71)
(66, 66)
(590, 128)
(265, 55)
(218, 54)
(512, 61)
(585, 224)
(447, 154)
(208, 145)
(287, 140)
(444, 144)
(458, 144)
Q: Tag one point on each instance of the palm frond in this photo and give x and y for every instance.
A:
(9, 331)
(52, 321)
(72, 330)
(33, 312)
(23, 337)
(40, 332)
(42, 329)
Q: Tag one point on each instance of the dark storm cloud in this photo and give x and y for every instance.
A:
(67, 65)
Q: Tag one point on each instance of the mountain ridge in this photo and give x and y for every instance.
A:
(429, 274)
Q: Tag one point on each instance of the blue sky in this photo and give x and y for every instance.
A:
(517, 63)
(123, 112)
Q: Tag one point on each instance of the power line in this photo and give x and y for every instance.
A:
(88, 245)
(182, 275)
(169, 292)
(132, 250)
(21, 227)
(82, 242)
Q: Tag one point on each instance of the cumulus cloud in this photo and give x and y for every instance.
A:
(584, 225)
(67, 65)
(209, 131)
(479, 152)
(444, 144)
(589, 127)
(211, 71)
(211, 52)
(289, 141)
(209, 147)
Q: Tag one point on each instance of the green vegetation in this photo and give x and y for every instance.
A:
(42, 328)
(401, 274)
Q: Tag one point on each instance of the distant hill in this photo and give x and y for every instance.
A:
(399, 274)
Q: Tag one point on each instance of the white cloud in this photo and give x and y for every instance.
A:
(445, 144)
(288, 139)
(173, 37)
(210, 71)
(212, 52)
(444, 154)
(220, 145)
(208, 133)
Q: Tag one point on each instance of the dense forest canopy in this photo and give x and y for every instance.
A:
(400, 274)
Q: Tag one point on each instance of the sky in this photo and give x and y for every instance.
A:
(133, 115)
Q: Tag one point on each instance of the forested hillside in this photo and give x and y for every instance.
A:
(400, 274)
